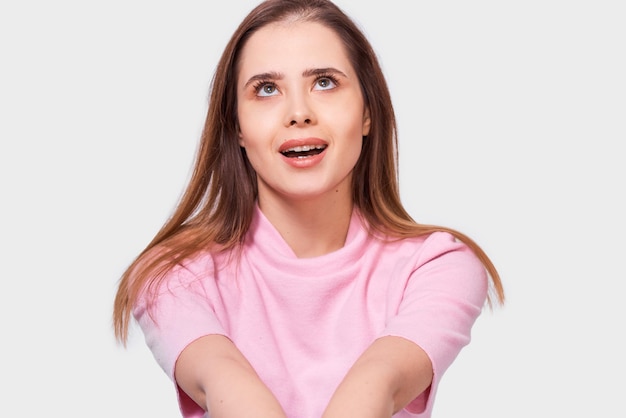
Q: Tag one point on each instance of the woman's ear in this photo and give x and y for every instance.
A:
(366, 122)
(239, 135)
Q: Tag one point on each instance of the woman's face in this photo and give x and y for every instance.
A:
(301, 112)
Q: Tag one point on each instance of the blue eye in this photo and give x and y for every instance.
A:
(325, 83)
(266, 89)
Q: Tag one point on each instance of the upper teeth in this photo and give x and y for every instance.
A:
(304, 148)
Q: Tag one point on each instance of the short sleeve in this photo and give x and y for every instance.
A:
(181, 313)
(442, 299)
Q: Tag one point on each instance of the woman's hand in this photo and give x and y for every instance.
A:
(214, 373)
(388, 376)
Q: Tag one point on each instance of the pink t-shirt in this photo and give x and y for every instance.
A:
(303, 322)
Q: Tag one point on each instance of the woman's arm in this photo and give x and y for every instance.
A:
(389, 374)
(214, 373)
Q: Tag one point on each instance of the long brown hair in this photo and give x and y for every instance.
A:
(216, 207)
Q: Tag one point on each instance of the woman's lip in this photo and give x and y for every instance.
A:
(305, 162)
(292, 143)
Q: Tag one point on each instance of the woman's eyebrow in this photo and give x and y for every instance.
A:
(320, 71)
(272, 75)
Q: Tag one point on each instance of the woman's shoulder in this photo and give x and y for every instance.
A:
(169, 272)
(423, 248)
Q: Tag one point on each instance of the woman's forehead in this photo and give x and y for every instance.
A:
(293, 46)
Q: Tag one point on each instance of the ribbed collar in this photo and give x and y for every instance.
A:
(263, 240)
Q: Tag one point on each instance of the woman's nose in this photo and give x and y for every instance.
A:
(299, 112)
(296, 121)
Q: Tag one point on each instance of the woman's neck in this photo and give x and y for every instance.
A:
(310, 227)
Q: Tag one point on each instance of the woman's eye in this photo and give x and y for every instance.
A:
(325, 83)
(266, 90)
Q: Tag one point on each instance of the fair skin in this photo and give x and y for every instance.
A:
(297, 88)
(298, 95)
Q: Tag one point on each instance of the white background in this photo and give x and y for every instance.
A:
(512, 123)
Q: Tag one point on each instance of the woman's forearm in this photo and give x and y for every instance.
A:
(389, 375)
(363, 393)
(214, 373)
(237, 392)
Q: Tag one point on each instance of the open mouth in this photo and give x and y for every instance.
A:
(303, 151)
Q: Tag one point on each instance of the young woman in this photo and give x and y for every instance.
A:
(290, 281)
